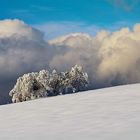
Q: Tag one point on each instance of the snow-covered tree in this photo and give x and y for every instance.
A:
(76, 79)
(54, 83)
(42, 84)
(29, 86)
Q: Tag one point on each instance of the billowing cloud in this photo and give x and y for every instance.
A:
(22, 49)
(109, 58)
(18, 28)
(120, 52)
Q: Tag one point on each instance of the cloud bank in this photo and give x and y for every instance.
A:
(109, 58)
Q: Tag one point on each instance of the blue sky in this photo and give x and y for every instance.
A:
(72, 15)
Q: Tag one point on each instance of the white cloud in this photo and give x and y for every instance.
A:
(110, 58)
(16, 27)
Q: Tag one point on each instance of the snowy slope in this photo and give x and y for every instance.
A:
(106, 114)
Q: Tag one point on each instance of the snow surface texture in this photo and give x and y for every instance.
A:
(105, 114)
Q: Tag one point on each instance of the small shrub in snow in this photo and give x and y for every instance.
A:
(43, 84)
